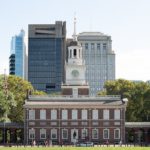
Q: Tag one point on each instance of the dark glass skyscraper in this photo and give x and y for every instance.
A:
(46, 50)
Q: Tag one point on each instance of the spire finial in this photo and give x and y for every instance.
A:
(74, 33)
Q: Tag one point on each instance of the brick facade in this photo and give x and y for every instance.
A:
(77, 125)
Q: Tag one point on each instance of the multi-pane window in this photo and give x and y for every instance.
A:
(64, 114)
(32, 133)
(74, 114)
(84, 115)
(64, 133)
(104, 46)
(31, 114)
(98, 46)
(95, 114)
(84, 133)
(42, 133)
(117, 134)
(106, 114)
(117, 114)
(94, 133)
(86, 46)
(54, 134)
(53, 114)
(92, 46)
(42, 114)
(106, 134)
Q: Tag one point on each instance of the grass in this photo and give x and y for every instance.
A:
(74, 148)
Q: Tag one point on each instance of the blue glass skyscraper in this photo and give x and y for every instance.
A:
(46, 50)
(17, 55)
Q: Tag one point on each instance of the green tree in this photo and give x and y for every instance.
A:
(18, 89)
(138, 95)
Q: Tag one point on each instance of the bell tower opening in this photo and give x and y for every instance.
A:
(75, 53)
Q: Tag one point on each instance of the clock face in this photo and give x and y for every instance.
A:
(75, 73)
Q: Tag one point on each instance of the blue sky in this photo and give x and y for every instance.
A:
(127, 21)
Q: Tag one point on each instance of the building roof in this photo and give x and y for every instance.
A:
(92, 34)
(137, 124)
(69, 101)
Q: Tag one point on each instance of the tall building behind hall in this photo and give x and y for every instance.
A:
(46, 46)
(99, 59)
(17, 55)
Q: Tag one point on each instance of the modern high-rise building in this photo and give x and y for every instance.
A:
(17, 55)
(99, 59)
(46, 50)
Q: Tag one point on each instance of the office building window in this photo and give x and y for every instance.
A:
(84, 133)
(92, 46)
(106, 114)
(64, 133)
(84, 115)
(42, 133)
(104, 46)
(74, 114)
(42, 114)
(86, 46)
(32, 114)
(32, 133)
(117, 114)
(53, 133)
(53, 114)
(94, 133)
(106, 134)
(98, 46)
(64, 114)
(95, 114)
(117, 134)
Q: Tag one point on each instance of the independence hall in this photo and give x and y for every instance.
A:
(74, 116)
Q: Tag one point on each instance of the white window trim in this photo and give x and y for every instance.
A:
(84, 114)
(53, 132)
(86, 133)
(62, 133)
(93, 134)
(106, 117)
(31, 114)
(54, 114)
(116, 116)
(76, 118)
(104, 134)
(32, 131)
(41, 117)
(43, 133)
(95, 113)
(66, 114)
(115, 134)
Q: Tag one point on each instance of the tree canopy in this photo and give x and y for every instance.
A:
(138, 94)
(12, 105)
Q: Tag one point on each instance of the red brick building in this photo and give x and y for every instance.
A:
(69, 120)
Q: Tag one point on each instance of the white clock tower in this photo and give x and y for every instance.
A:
(75, 68)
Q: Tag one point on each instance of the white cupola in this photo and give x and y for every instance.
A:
(75, 67)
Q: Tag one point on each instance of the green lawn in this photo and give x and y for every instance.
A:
(74, 148)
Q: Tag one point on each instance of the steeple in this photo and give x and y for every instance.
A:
(74, 33)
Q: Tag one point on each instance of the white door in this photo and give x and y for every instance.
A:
(74, 135)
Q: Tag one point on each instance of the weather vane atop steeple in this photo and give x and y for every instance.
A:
(74, 33)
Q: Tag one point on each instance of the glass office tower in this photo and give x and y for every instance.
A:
(17, 55)
(99, 59)
(46, 47)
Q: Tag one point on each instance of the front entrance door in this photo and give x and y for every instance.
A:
(74, 135)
